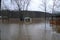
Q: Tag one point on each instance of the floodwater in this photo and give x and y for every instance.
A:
(34, 31)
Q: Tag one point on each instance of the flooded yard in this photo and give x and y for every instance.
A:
(35, 31)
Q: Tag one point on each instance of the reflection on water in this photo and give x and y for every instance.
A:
(34, 31)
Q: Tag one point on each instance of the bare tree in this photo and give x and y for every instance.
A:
(23, 5)
(57, 5)
(53, 5)
(53, 8)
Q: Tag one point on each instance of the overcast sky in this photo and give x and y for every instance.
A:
(35, 5)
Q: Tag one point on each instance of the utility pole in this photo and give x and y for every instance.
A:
(53, 17)
(44, 36)
(45, 19)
